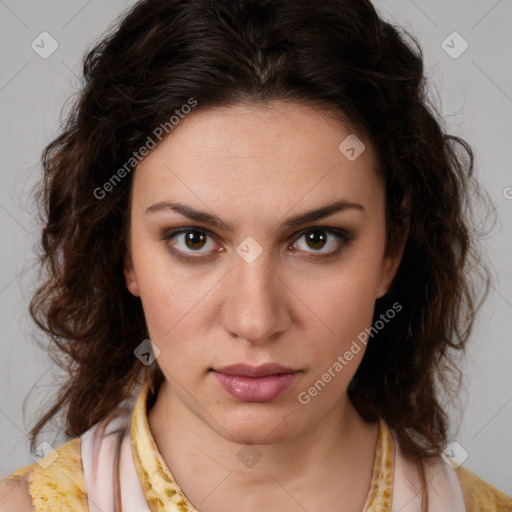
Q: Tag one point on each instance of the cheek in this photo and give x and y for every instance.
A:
(343, 308)
(166, 293)
(174, 309)
(348, 296)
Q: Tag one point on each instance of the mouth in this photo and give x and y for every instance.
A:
(247, 370)
(248, 383)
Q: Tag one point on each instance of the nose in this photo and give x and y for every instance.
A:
(256, 306)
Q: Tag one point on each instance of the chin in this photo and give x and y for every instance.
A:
(257, 427)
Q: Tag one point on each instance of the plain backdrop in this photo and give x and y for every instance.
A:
(473, 89)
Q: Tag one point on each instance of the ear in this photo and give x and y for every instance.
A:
(392, 260)
(130, 277)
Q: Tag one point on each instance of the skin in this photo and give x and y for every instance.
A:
(255, 166)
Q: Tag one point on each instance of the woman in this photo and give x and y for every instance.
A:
(255, 228)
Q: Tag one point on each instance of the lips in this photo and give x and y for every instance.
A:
(263, 383)
(246, 370)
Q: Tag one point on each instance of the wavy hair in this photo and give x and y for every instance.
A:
(336, 55)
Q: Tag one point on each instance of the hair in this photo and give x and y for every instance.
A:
(335, 55)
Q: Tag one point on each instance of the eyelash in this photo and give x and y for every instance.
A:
(343, 236)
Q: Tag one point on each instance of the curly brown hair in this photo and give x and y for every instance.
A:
(337, 55)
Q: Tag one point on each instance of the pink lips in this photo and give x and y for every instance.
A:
(255, 383)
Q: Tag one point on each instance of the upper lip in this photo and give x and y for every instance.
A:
(248, 370)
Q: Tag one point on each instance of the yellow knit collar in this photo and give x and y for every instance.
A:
(163, 494)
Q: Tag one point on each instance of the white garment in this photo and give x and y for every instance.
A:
(98, 456)
(445, 491)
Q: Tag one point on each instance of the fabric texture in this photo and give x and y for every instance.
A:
(56, 483)
(82, 477)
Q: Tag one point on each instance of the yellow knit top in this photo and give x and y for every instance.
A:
(57, 483)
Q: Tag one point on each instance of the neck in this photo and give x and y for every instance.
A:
(340, 448)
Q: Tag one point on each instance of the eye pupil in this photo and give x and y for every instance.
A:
(194, 238)
(315, 238)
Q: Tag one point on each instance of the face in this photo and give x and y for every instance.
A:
(232, 266)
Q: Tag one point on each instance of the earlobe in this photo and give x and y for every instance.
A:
(130, 277)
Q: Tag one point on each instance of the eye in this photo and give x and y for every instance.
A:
(193, 244)
(188, 241)
(328, 241)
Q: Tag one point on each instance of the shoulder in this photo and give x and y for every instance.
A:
(47, 484)
(450, 488)
(15, 495)
(481, 496)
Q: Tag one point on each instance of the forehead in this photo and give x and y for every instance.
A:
(277, 150)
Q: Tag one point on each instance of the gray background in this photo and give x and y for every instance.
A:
(474, 92)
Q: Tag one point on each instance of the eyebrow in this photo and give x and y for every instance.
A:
(291, 222)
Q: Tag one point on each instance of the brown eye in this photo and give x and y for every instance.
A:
(188, 241)
(194, 240)
(318, 239)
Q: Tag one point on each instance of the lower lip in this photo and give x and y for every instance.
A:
(256, 389)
